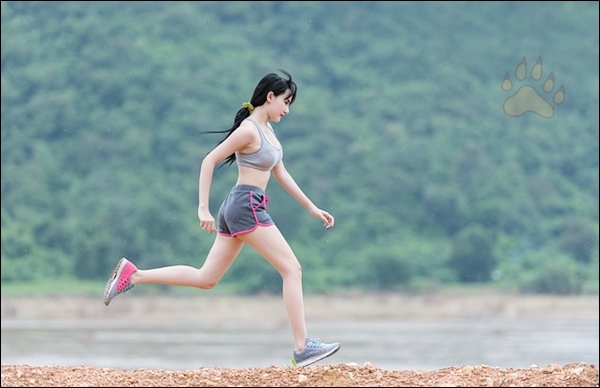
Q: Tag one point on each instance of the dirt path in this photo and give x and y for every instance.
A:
(572, 375)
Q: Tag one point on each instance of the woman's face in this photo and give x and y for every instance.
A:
(279, 106)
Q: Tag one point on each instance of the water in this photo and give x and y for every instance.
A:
(391, 345)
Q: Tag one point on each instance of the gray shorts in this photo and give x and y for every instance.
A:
(243, 210)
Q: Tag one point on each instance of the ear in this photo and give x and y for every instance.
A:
(270, 96)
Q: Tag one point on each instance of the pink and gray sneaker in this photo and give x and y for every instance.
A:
(120, 280)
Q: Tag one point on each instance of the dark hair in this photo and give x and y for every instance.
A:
(271, 82)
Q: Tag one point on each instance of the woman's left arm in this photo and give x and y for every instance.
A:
(286, 180)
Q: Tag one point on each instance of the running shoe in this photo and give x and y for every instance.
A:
(120, 280)
(314, 351)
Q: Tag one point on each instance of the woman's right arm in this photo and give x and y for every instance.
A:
(207, 222)
(237, 141)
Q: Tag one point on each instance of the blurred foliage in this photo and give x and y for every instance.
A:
(398, 130)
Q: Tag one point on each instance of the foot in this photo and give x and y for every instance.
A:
(120, 280)
(314, 351)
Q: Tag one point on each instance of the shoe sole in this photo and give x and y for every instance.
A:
(115, 275)
(320, 357)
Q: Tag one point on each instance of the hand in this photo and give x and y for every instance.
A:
(207, 222)
(328, 219)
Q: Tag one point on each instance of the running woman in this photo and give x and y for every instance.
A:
(252, 144)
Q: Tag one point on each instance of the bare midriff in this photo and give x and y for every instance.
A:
(251, 176)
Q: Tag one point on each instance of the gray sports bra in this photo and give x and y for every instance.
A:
(265, 158)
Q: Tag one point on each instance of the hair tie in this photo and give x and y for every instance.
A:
(248, 106)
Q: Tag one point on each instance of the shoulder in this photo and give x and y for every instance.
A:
(246, 126)
(244, 134)
(246, 130)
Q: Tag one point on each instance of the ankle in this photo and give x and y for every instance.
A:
(135, 278)
(300, 346)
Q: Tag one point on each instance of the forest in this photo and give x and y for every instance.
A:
(455, 143)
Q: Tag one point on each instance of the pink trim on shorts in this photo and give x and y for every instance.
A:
(266, 202)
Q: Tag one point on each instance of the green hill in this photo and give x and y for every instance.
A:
(400, 130)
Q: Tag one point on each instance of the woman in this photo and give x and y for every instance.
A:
(243, 219)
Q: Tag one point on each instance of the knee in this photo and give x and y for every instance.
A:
(206, 279)
(207, 285)
(298, 270)
(294, 271)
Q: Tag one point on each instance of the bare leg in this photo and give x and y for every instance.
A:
(270, 244)
(219, 259)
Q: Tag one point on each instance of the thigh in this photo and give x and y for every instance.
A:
(270, 244)
(221, 255)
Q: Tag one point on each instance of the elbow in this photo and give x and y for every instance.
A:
(208, 163)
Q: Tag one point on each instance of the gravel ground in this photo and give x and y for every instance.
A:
(349, 375)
